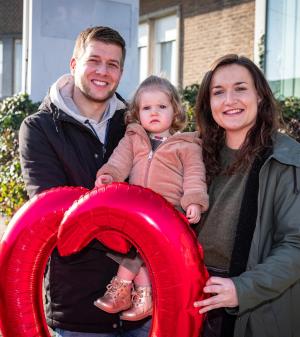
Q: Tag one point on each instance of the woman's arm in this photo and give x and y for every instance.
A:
(281, 268)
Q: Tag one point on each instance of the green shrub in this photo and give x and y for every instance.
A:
(293, 128)
(188, 97)
(12, 191)
(290, 107)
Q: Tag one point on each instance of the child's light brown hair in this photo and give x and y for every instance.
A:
(162, 84)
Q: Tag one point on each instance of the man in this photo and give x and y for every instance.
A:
(72, 135)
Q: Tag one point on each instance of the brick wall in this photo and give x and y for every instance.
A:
(11, 16)
(210, 28)
(212, 34)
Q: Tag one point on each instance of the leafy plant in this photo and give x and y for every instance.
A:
(290, 107)
(262, 52)
(188, 96)
(293, 128)
(12, 191)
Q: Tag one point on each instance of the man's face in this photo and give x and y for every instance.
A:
(97, 71)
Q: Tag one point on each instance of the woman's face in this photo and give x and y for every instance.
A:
(234, 101)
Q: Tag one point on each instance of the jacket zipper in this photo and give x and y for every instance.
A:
(149, 159)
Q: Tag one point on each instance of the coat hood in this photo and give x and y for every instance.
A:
(286, 150)
(61, 95)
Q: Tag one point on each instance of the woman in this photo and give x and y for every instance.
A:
(251, 233)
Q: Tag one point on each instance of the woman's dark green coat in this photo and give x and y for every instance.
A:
(269, 291)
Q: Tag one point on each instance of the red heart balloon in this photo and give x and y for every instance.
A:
(118, 215)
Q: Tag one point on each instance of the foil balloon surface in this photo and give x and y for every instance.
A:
(24, 250)
(119, 215)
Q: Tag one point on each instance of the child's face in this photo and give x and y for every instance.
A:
(156, 112)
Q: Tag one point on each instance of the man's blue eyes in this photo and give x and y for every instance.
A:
(111, 65)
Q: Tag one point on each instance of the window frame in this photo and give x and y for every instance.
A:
(8, 63)
(150, 20)
(1, 67)
(17, 67)
(261, 55)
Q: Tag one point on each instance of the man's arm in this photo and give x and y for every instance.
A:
(41, 167)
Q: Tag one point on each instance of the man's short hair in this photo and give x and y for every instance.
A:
(99, 33)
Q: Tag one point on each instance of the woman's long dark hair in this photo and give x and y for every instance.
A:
(258, 138)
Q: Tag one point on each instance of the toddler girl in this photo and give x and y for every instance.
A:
(153, 154)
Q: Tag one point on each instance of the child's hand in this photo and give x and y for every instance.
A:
(193, 213)
(103, 179)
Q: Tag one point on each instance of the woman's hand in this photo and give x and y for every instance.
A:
(103, 179)
(193, 213)
(223, 293)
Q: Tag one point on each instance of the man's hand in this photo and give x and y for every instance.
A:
(193, 213)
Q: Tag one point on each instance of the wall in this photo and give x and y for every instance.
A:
(213, 33)
(148, 6)
(11, 16)
(209, 29)
(52, 28)
(10, 29)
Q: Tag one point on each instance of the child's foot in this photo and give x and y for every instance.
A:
(117, 297)
(141, 304)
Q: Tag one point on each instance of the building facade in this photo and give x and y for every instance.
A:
(11, 13)
(180, 38)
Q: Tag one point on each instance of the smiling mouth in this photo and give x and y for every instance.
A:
(233, 112)
(100, 83)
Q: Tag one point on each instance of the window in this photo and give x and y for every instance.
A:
(143, 51)
(17, 66)
(10, 65)
(283, 47)
(158, 48)
(165, 48)
(1, 67)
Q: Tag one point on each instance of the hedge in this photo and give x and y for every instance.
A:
(12, 192)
